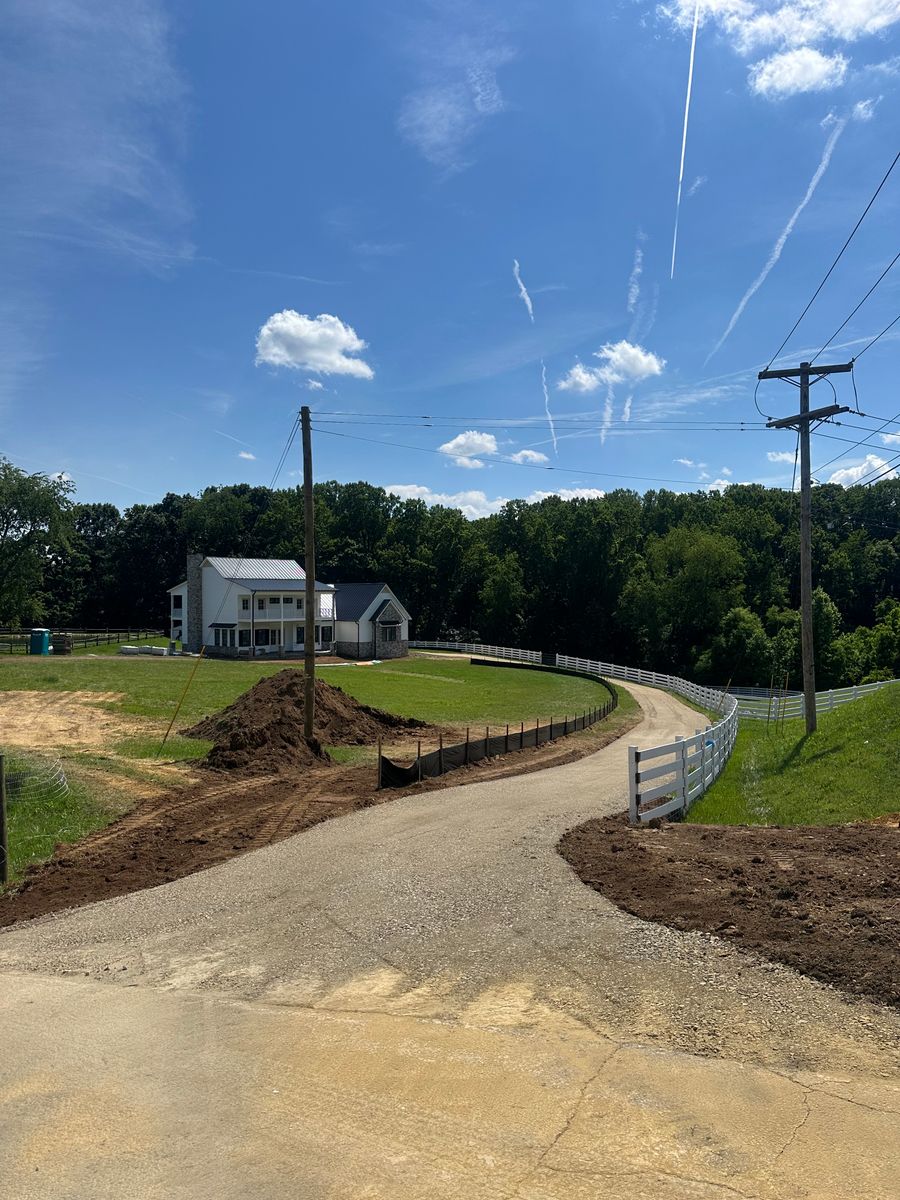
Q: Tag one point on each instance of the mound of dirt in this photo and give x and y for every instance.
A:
(263, 729)
(824, 900)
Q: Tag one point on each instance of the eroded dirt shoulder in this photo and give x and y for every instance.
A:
(825, 901)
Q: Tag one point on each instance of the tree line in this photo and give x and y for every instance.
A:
(701, 584)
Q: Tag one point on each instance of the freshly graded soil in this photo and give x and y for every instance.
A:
(262, 731)
(824, 900)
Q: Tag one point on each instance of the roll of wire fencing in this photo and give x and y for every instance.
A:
(517, 736)
(37, 792)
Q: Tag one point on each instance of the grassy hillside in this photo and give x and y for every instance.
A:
(848, 770)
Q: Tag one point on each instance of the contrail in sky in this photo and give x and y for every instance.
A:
(547, 405)
(523, 291)
(607, 415)
(785, 234)
(626, 411)
(687, 111)
(634, 279)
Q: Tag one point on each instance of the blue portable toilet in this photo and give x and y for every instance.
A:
(40, 641)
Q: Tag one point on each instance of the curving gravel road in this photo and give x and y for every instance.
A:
(421, 1000)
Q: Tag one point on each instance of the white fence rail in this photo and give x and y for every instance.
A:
(680, 771)
(761, 708)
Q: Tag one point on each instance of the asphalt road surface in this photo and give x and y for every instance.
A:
(421, 1001)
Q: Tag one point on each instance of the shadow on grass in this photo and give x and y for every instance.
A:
(791, 757)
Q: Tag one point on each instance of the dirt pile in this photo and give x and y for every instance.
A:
(263, 729)
(824, 900)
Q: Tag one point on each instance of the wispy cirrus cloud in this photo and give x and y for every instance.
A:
(637, 268)
(98, 130)
(523, 290)
(457, 59)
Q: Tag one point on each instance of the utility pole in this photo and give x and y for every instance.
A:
(309, 637)
(802, 421)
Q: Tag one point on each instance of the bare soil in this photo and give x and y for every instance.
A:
(825, 901)
(262, 731)
(63, 720)
(226, 813)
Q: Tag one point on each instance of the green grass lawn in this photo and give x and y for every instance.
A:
(39, 817)
(849, 769)
(448, 691)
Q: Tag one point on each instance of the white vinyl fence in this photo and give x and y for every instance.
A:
(678, 772)
(762, 708)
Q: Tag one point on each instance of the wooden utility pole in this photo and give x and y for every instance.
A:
(802, 421)
(309, 636)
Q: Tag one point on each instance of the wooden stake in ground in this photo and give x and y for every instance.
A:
(4, 845)
(309, 645)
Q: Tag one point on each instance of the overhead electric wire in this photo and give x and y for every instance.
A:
(862, 441)
(840, 254)
(847, 320)
(869, 345)
(889, 468)
(506, 462)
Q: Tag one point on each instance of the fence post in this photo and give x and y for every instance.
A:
(4, 843)
(682, 769)
(379, 764)
(633, 785)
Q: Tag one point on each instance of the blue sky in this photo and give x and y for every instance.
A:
(211, 214)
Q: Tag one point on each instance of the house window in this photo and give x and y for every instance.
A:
(177, 601)
(288, 600)
(299, 607)
(326, 635)
(389, 633)
(245, 603)
(243, 637)
(301, 635)
(274, 599)
(261, 605)
(262, 637)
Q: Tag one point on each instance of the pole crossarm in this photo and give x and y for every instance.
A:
(796, 372)
(815, 414)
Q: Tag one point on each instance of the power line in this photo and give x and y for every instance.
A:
(878, 338)
(836, 261)
(855, 445)
(858, 307)
(506, 461)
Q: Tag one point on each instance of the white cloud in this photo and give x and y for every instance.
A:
(465, 448)
(793, 71)
(314, 385)
(626, 411)
(864, 110)
(637, 268)
(528, 456)
(567, 494)
(727, 471)
(246, 454)
(621, 361)
(523, 291)
(780, 456)
(460, 91)
(686, 462)
(791, 30)
(846, 476)
(696, 185)
(891, 439)
(322, 344)
(472, 504)
(96, 122)
(775, 253)
(719, 485)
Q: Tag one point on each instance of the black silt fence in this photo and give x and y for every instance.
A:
(513, 738)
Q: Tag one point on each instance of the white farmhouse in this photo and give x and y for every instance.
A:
(236, 607)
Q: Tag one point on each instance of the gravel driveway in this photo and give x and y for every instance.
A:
(421, 1000)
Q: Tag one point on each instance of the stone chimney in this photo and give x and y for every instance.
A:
(194, 603)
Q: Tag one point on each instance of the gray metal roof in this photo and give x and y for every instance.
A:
(257, 568)
(277, 585)
(352, 599)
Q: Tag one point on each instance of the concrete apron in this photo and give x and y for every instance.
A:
(492, 1028)
(111, 1092)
